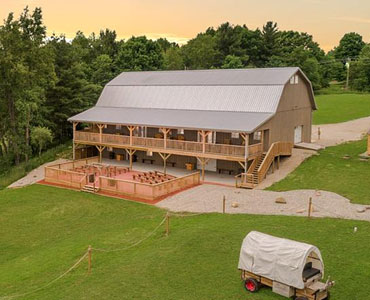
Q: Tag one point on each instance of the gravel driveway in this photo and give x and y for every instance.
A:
(207, 198)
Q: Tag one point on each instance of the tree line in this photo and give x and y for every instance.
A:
(44, 80)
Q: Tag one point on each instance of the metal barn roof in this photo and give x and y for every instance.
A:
(262, 76)
(230, 100)
(188, 119)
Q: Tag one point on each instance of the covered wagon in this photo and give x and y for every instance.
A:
(291, 268)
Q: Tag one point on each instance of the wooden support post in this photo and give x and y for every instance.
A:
(309, 207)
(164, 157)
(204, 135)
(89, 254)
(245, 137)
(74, 137)
(131, 129)
(243, 165)
(165, 132)
(223, 204)
(130, 153)
(100, 126)
(167, 224)
(318, 133)
(203, 161)
(262, 141)
(273, 165)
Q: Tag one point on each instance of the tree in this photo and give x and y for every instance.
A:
(200, 53)
(360, 71)
(72, 93)
(40, 137)
(102, 70)
(172, 59)
(232, 62)
(350, 46)
(139, 54)
(270, 34)
(26, 70)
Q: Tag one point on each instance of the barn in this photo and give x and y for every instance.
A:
(238, 121)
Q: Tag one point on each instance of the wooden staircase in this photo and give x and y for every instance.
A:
(89, 188)
(261, 164)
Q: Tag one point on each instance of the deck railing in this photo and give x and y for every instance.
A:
(146, 190)
(158, 143)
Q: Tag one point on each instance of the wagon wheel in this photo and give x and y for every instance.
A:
(251, 285)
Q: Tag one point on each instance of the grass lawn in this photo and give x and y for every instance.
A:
(331, 172)
(336, 108)
(44, 230)
(17, 172)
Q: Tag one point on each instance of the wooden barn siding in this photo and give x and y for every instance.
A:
(294, 110)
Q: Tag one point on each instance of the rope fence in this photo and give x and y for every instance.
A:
(90, 249)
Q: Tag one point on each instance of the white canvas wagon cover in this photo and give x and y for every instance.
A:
(278, 259)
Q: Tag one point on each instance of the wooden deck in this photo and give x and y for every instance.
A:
(168, 146)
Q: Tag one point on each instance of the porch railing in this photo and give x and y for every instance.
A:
(158, 143)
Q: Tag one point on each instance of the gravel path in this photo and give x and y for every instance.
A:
(207, 198)
(334, 134)
(35, 175)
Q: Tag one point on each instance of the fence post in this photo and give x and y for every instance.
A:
(89, 253)
(318, 133)
(223, 204)
(167, 224)
(309, 207)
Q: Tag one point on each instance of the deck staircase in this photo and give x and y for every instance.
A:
(89, 189)
(261, 165)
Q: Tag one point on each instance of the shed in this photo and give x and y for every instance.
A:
(278, 259)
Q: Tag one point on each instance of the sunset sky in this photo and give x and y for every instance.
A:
(180, 20)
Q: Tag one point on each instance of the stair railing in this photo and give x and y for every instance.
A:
(276, 149)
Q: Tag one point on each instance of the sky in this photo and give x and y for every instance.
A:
(180, 20)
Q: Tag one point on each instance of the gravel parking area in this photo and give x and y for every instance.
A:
(207, 198)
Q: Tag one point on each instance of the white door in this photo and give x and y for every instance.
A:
(210, 166)
(298, 134)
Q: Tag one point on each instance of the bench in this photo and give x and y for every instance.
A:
(171, 163)
(150, 160)
(220, 170)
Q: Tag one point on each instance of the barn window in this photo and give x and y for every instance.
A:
(235, 135)
(296, 79)
(257, 136)
(180, 131)
(292, 80)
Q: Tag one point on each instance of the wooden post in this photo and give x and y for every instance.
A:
(262, 141)
(130, 153)
(310, 207)
(89, 254)
(165, 133)
(167, 224)
(273, 165)
(278, 162)
(318, 133)
(74, 137)
(245, 137)
(223, 204)
(203, 161)
(164, 157)
(100, 126)
(131, 129)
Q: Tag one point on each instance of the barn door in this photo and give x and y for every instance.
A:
(298, 134)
